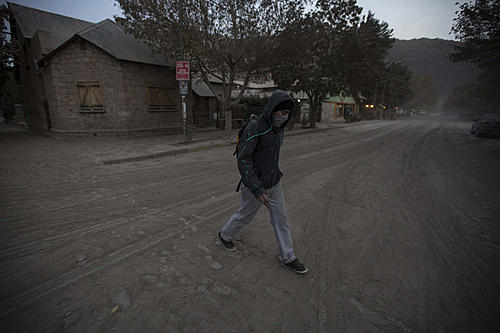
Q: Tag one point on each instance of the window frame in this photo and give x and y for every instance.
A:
(95, 108)
(160, 107)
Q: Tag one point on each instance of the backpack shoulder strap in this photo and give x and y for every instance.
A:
(239, 185)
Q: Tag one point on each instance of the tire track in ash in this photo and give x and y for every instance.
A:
(468, 169)
(349, 271)
(176, 182)
(67, 243)
(323, 294)
(469, 275)
(31, 247)
(36, 293)
(210, 212)
(64, 279)
(328, 274)
(321, 321)
(84, 209)
(62, 186)
(338, 292)
(123, 197)
(155, 189)
(105, 184)
(106, 206)
(41, 245)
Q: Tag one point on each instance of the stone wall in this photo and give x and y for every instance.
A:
(36, 115)
(123, 85)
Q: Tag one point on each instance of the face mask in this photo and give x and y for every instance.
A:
(279, 120)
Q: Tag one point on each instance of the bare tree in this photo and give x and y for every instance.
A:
(230, 40)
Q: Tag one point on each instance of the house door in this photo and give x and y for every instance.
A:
(202, 112)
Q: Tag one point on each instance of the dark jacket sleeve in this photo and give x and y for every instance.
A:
(245, 159)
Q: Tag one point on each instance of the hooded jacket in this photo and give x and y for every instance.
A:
(260, 145)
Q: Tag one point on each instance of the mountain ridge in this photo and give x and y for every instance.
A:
(430, 56)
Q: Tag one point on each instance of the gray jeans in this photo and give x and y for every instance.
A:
(249, 206)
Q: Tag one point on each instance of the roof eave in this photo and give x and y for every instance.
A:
(41, 62)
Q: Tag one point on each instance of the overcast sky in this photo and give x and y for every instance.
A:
(408, 18)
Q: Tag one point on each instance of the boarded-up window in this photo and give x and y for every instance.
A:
(161, 98)
(90, 96)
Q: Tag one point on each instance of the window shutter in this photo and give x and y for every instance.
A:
(90, 96)
(161, 98)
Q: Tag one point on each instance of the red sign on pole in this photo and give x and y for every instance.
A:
(182, 70)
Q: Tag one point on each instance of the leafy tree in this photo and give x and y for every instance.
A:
(309, 55)
(367, 45)
(300, 64)
(9, 89)
(7, 48)
(477, 27)
(396, 84)
(333, 50)
(230, 40)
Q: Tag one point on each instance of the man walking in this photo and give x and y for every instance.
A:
(258, 156)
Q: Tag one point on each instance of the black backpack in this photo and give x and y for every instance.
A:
(239, 136)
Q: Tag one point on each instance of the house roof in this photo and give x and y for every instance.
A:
(201, 89)
(107, 35)
(341, 99)
(29, 20)
(265, 85)
(113, 39)
(251, 85)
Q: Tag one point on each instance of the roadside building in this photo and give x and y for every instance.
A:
(81, 77)
(337, 107)
(206, 105)
(262, 89)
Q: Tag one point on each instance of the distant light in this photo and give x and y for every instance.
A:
(298, 100)
(371, 106)
(367, 106)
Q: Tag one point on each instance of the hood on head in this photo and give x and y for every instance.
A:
(278, 97)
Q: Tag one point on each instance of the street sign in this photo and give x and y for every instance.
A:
(182, 70)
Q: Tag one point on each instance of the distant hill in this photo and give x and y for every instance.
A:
(430, 56)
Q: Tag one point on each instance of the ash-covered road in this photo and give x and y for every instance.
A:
(398, 222)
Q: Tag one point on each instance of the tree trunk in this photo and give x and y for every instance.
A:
(228, 119)
(313, 113)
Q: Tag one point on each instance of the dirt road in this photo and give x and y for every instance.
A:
(398, 222)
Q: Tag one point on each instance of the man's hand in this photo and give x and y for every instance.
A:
(263, 198)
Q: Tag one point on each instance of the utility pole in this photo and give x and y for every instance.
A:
(183, 97)
(181, 14)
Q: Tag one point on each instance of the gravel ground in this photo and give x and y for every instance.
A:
(397, 221)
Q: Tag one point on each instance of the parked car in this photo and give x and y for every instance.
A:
(487, 124)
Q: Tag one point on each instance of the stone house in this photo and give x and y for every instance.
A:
(84, 78)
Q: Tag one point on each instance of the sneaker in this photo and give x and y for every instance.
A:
(296, 266)
(227, 245)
